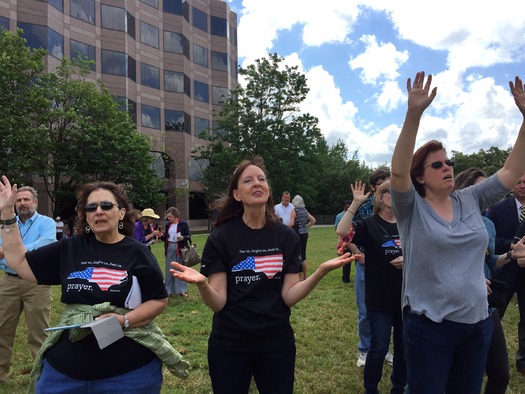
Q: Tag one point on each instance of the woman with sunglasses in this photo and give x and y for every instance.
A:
(251, 261)
(104, 273)
(447, 327)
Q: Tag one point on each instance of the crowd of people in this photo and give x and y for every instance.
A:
(444, 256)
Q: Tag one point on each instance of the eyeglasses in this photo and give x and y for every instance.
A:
(104, 205)
(438, 164)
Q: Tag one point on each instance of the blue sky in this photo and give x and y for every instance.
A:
(358, 55)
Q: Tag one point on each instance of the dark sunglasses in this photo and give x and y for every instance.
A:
(438, 164)
(104, 205)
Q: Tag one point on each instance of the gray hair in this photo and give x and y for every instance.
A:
(30, 190)
(298, 202)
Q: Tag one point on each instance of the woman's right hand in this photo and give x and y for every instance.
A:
(7, 195)
(358, 191)
(187, 274)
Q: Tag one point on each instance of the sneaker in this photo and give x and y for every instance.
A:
(361, 360)
(389, 358)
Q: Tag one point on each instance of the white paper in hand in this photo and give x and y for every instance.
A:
(106, 330)
(134, 298)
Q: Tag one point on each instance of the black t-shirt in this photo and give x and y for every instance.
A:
(383, 281)
(91, 272)
(255, 262)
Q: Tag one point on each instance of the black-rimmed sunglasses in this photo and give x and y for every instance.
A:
(438, 164)
(104, 205)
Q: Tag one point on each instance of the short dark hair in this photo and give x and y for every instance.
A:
(418, 163)
(380, 174)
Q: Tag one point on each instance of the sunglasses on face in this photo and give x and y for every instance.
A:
(438, 164)
(104, 205)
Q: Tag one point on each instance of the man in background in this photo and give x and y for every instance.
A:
(285, 210)
(60, 228)
(17, 294)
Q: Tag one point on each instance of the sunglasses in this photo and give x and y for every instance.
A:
(104, 205)
(438, 164)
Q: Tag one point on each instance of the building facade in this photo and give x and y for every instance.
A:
(172, 61)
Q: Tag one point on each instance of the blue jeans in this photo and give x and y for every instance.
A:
(381, 324)
(445, 357)
(363, 328)
(144, 380)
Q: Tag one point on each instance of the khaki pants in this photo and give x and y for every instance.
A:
(17, 295)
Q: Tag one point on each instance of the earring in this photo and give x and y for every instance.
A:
(120, 225)
(88, 229)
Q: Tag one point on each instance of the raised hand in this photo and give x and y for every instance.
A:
(7, 194)
(358, 191)
(186, 274)
(518, 92)
(418, 93)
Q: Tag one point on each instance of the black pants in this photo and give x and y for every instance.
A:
(497, 366)
(272, 369)
(347, 268)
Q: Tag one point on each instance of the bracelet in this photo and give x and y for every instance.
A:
(8, 227)
(353, 213)
(509, 256)
(7, 222)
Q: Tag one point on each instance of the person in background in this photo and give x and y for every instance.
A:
(252, 261)
(506, 216)
(497, 367)
(59, 228)
(347, 269)
(285, 210)
(379, 237)
(17, 295)
(447, 327)
(144, 230)
(304, 221)
(176, 237)
(366, 209)
(100, 271)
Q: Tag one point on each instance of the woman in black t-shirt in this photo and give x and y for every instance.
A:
(104, 273)
(252, 263)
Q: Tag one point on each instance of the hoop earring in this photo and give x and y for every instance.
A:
(120, 225)
(88, 229)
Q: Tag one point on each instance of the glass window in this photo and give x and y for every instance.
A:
(201, 91)
(84, 50)
(200, 55)
(149, 35)
(58, 4)
(177, 121)
(150, 76)
(200, 19)
(113, 18)
(219, 61)
(219, 26)
(55, 44)
(173, 81)
(173, 7)
(4, 23)
(126, 104)
(217, 130)
(187, 86)
(233, 35)
(83, 10)
(220, 95)
(35, 35)
(150, 116)
(173, 42)
(201, 126)
(132, 68)
(186, 11)
(114, 63)
(153, 3)
(130, 24)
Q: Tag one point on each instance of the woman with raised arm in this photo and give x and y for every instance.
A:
(103, 273)
(252, 261)
(447, 328)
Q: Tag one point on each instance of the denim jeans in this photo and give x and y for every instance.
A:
(445, 357)
(363, 328)
(144, 380)
(381, 324)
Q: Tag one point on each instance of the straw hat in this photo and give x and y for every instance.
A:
(149, 213)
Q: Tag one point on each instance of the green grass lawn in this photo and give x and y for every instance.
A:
(325, 325)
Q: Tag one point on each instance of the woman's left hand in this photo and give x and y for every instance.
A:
(397, 262)
(338, 262)
(186, 274)
(518, 92)
(7, 194)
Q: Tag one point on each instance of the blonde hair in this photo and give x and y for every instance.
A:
(381, 189)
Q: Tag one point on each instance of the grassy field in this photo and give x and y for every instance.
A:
(325, 325)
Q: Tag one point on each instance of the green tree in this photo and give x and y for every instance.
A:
(20, 69)
(263, 118)
(490, 160)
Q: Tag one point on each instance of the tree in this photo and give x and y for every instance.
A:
(263, 118)
(20, 68)
(490, 160)
(83, 135)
